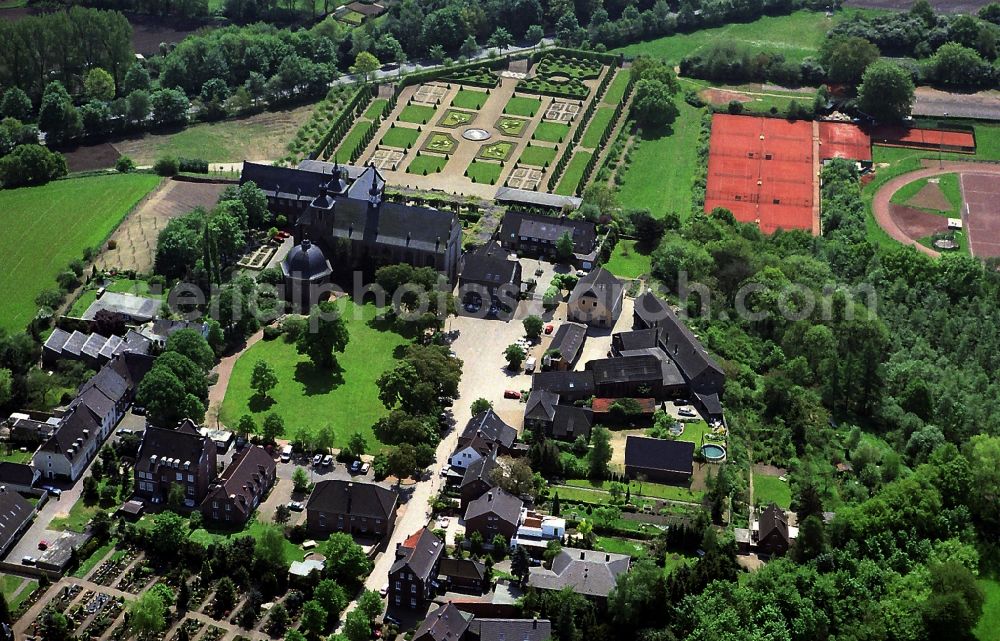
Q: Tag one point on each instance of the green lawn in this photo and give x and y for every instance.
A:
(574, 173)
(796, 36)
(81, 211)
(309, 398)
(375, 109)
(206, 537)
(78, 518)
(947, 183)
(23, 595)
(352, 140)
(598, 123)
(627, 262)
(675, 560)
(521, 106)
(469, 99)
(402, 137)
(15, 456)
(616, 90)
(417, 114)
(767, 489)
(661, 187)
(989, 625)
(538, 156)
(648, 489)
(88, 564)
(617, 545)
(484, 172)
(427, 163)
(550, 131)
(9, 584)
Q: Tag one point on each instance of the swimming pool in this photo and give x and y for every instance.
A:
(713, 452)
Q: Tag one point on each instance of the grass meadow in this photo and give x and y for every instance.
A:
(46, 227)
(308, 398)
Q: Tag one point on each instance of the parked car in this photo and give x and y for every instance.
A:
(286, 454)
(43, 545)
(327, 460)
(365, 467)
(686, 412)
(54, 491)
(139, 410)
(355, 467)
(512, 393)
(384, 590)
(317, 460)
(549, 328)
(296, 506)
(28, 560)
(580, 273)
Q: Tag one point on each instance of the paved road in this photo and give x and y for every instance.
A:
(880, 204)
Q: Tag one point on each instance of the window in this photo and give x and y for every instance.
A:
(190, 478)
(413, 588)
(413, 602)
(215, 504)
(398, 599)
(180, 477)
(228, 507)
(399, 585)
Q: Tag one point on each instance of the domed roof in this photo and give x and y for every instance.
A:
(306, 261)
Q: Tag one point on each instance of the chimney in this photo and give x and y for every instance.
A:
(534, 624)
(582, 554)
(489, 496)
(607, 558)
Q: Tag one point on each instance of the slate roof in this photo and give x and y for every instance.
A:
(651, 309)
(659, 454)
(489, 426)
(447, 623)
(578, 383)
(284, 182)
(56, 340)
(627, 369)
(681, 344)
(137, 308)
(132, 366)
(74, 344)
(511, 629)
(419, 552)
(635, 339)
(569, 339)
(571, 420)
(489, 265)
(548, 228)
(15, 511)
(462, 568)
(16, 473)
(244, 478)
(772, 520)
(602, 285)
(497, 502)
(482, 470)
(162, 328)
(587, 572)
(184, 444)
(541, 405)
(356, 498)
(75, 422)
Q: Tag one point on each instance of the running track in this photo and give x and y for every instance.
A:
(880, 204)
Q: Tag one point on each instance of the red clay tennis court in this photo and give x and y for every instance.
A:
(953, 141)
(762, 170)
(843, 140)
(982, 217)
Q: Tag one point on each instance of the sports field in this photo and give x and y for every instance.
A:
(47, 227)
(797, 36)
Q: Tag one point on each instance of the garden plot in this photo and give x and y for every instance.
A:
(525, 178)
(454, 118)
(387, 159)
(429, 94)
(439, 142)
(499, 150)
(561, 111)
(509, 126)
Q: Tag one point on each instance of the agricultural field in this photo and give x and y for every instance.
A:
(648, 184)
(308, 398)
(84, 210)
(259, 137)
(797, 36)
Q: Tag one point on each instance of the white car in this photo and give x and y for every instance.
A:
(686, 412)
(444, 522)
(384, 590)
(317, 460)
(327, 460)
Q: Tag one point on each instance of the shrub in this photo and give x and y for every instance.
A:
(124, 165)
(166, 166)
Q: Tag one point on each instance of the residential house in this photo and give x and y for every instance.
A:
(510, 630)
(483, 433)
(93, 349)
(597, 299)
(703, 376)
(244, 484)
(495, 512)
(354, 223)
(659, 460)
(478, 479)
(16, 514)
(413, 576)
(180, 456)
(588, 572)
(569, 386)
(100, 404)
(543, 413)
(772, 534)
(565, 348)
(160, 330)
(18, 476)
(538, 234)
(639, 375)
(358, 508)
(447, 623)
(536, 530)
(489, 277)
(463, 575)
